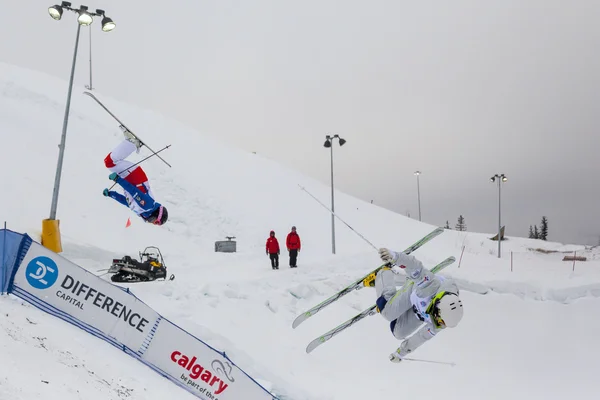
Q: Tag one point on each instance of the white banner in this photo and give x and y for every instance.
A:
(81, 294)
(200, 369)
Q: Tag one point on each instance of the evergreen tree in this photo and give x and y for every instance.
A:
(544, 229)
(461, 226)
(536, 233)
(447, 225)
(531, 232)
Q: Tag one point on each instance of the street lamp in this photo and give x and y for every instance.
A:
(329, 144)
(500, 178)
(417, 173)
(84, 17)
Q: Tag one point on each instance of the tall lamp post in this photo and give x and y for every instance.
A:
(500, 178)
(417, 173)
(50, 232)
(329, 144)
(90, 88)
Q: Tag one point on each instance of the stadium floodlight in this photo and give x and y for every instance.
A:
(108, 24)
(84, 18)
(55, 12)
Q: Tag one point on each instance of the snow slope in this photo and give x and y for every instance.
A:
(510, 344)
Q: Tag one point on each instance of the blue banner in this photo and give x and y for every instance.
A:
(13, 247)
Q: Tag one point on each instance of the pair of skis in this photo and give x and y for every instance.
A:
(124, 127)
(357, 285)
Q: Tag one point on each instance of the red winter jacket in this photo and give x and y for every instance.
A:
(272, 245)
(293, 241)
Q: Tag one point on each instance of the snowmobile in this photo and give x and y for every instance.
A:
(150, 267)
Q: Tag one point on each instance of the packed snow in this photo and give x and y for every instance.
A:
(529, 330)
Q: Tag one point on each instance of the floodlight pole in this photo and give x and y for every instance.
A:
(499, 215)
(329, 143)
(332, 205)
(500, 178)
(63, 137)
(90, 87)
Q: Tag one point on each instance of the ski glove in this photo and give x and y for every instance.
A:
(388, 256)
(105, 192)
(113, 176)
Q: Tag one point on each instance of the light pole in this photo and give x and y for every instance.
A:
(90, 86)
(329, 144)
(85, 18)
(500, 178)
(417, 173)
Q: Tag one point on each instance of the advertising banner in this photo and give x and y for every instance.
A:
(63, 289)
(73, 290)
(200, 369)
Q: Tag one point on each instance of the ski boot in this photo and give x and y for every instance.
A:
(130, 137)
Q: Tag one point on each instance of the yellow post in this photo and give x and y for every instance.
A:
(51, 235)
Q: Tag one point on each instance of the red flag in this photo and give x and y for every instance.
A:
(128, 224)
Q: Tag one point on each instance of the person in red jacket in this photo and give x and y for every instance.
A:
(292, 242)
(273, 250)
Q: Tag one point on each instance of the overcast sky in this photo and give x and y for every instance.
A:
(459, 90)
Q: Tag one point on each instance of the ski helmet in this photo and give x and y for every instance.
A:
(448, 309)
(165, 215)
(159, 216)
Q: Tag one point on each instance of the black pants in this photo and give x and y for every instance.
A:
(293, 258)
(274, 260)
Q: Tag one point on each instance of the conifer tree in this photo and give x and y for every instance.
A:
(461, 226)
(544, 228)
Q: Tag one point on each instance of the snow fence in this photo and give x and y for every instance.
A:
(57, 286)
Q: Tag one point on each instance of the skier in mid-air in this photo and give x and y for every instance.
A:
(432, 301)
(138, 195)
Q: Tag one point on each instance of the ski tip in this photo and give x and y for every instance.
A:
(299, 319)
(313, 345)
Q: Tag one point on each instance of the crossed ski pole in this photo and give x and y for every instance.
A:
(141, 161)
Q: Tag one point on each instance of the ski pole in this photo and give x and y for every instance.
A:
(431, 361)
(141, 161)
(335, 215)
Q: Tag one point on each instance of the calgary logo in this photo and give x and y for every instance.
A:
(197, 371)
(41, 272)
(223, 369)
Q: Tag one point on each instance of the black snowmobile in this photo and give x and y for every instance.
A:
(150, 267)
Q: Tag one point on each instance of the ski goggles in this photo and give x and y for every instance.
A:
(433, 311)
(156, 220)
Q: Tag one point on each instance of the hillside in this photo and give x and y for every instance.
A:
(510, 345)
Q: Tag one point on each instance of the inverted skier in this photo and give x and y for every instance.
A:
(138, 195)
(422, 309)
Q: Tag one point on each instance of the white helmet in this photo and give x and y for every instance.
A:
(449, 309)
